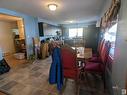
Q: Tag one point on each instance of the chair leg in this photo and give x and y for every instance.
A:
(77, 87)
(65, 81)
(64, 86)
(104, 81)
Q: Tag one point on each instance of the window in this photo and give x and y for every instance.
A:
(75, 32)
(110, 35)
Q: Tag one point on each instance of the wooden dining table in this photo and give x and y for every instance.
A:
(83, 53)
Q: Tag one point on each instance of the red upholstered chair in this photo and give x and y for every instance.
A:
(99, 48)
(101, 45)
(70, 70)
(96, 57)
(69, 62)
(100, 67)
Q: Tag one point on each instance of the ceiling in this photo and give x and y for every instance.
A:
(79, 11)
(8, 18)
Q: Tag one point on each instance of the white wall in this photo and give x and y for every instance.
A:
(120, 63)
(6, 37)
(107, 4)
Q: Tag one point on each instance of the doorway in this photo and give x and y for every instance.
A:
(12, 39)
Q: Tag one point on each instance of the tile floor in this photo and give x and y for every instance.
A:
(13, 62)
(32, 79)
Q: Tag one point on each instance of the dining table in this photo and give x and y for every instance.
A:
(83, 54)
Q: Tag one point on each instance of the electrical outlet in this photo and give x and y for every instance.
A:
(123, 91)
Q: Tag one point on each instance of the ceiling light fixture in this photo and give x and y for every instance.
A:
(71, 21)
(52, 7)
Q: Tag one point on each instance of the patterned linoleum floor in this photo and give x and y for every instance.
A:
(32, 79)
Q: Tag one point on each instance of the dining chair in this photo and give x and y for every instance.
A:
(96, 57)
(69, 62)
(100, 67)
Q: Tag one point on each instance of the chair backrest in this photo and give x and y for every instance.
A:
(108, 64)
(101, 45)
(105, 51)
(68, 56)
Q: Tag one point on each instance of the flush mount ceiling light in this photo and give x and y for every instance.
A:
(52, 7)
(71, 21)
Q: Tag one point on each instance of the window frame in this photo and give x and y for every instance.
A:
(110, 32)
(76, 31)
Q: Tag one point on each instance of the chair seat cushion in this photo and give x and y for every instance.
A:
(70, 73)
(94, 67)
(95, 55)
(95, 59)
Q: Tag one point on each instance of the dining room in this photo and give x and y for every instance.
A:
(72, 48)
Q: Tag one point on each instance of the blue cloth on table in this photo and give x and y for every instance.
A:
(56, 71)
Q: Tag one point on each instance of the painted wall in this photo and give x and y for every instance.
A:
(50, 30)
(103, 10)
(120, 63)
(107, 4)
(1, 55)
(31, 28)
(6, 37)
(65, 28)
(90, 35)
